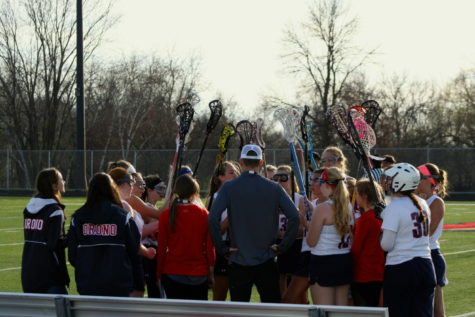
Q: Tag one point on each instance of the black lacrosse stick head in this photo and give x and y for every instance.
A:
(245, 130)
(216, 109)
(303, 123)
(185, 117)
(371, 110)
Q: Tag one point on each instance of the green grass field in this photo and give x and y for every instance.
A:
(458, 247)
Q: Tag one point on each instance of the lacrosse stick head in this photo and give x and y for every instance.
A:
(184, 118)
(289, 117)
(226, 133)
(245, 130)
(362, 130)
(259, 124)
(216, 109)
(336, 115)
(193, 99)
(303, 123)
(372, 110)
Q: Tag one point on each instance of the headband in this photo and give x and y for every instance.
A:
(425, 172)
(331, 183)
(184, 171)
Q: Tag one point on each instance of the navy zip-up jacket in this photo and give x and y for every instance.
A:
(103, 245)
(253, 203)
(43, 261)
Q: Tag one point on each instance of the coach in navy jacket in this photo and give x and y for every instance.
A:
(253, 204)
(43, 261)
(103, 241)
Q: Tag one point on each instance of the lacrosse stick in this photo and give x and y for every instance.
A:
(258, 124)
(245, 130)
(226, 133)
(371, 110)
(364, 139)
(303, 131)
(290, 120)
(184, 119)
(216, 112)
(310, 145)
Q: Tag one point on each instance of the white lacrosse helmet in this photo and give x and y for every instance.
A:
(402, 177)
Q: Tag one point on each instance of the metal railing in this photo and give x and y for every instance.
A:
(19, 168)
(35, 305)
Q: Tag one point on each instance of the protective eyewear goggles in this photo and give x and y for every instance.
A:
(280, 177)
(160, 189)
(330, 160)
(139, 184)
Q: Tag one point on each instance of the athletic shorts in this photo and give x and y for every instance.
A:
(439, 266)
(331, 270)
(288, 261)
(303, 264)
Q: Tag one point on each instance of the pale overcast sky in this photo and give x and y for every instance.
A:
(240, 41)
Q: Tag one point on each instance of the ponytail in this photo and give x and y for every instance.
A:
(443, 184)
(334, 178)
(413, 197)
(173, 210)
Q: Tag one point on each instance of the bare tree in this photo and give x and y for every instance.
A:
(37, 69)
(322, 55)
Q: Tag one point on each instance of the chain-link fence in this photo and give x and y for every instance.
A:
(19, 168)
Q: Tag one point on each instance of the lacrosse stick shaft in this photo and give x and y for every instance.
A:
(300, 180)
(195, 170)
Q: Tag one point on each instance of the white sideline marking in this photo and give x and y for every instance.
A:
(459, 252)
(8, 229)
(10, 269)
(455, 204)
(465, 315)
(9, 244)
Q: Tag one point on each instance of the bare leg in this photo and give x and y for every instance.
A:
(322, 295)
(439, 309)
(220, 288)
(297, 291)
(341, 294)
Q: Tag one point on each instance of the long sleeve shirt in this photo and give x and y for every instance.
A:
(187, 249)
(253, 204)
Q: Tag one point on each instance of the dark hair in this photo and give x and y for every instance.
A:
(45, 180)
(120, 163)
(102, 188)
(363, 187)
(442, 181)
(150, 182)
(253, 163)
(185, 187)
(215, 182)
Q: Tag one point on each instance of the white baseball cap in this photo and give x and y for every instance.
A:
(251, 147)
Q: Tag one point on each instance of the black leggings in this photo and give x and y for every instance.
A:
(176, 290)
(366, 294)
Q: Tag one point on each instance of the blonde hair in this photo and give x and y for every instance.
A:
(288, 169)
(340, 197)
(341, 157)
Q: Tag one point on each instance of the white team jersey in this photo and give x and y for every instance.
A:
(305, 246)
(434, 239)
(283, 218)
(412, 235)
(330, 241)
(224, 215)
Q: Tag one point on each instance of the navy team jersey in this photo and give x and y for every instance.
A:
(43, 261)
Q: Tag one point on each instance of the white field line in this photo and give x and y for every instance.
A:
(10, 229)
(465, 315)
(459, 252)
(10, 244)
(10, 269)
(455, 204)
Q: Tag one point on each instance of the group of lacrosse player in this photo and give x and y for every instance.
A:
(303, 225)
